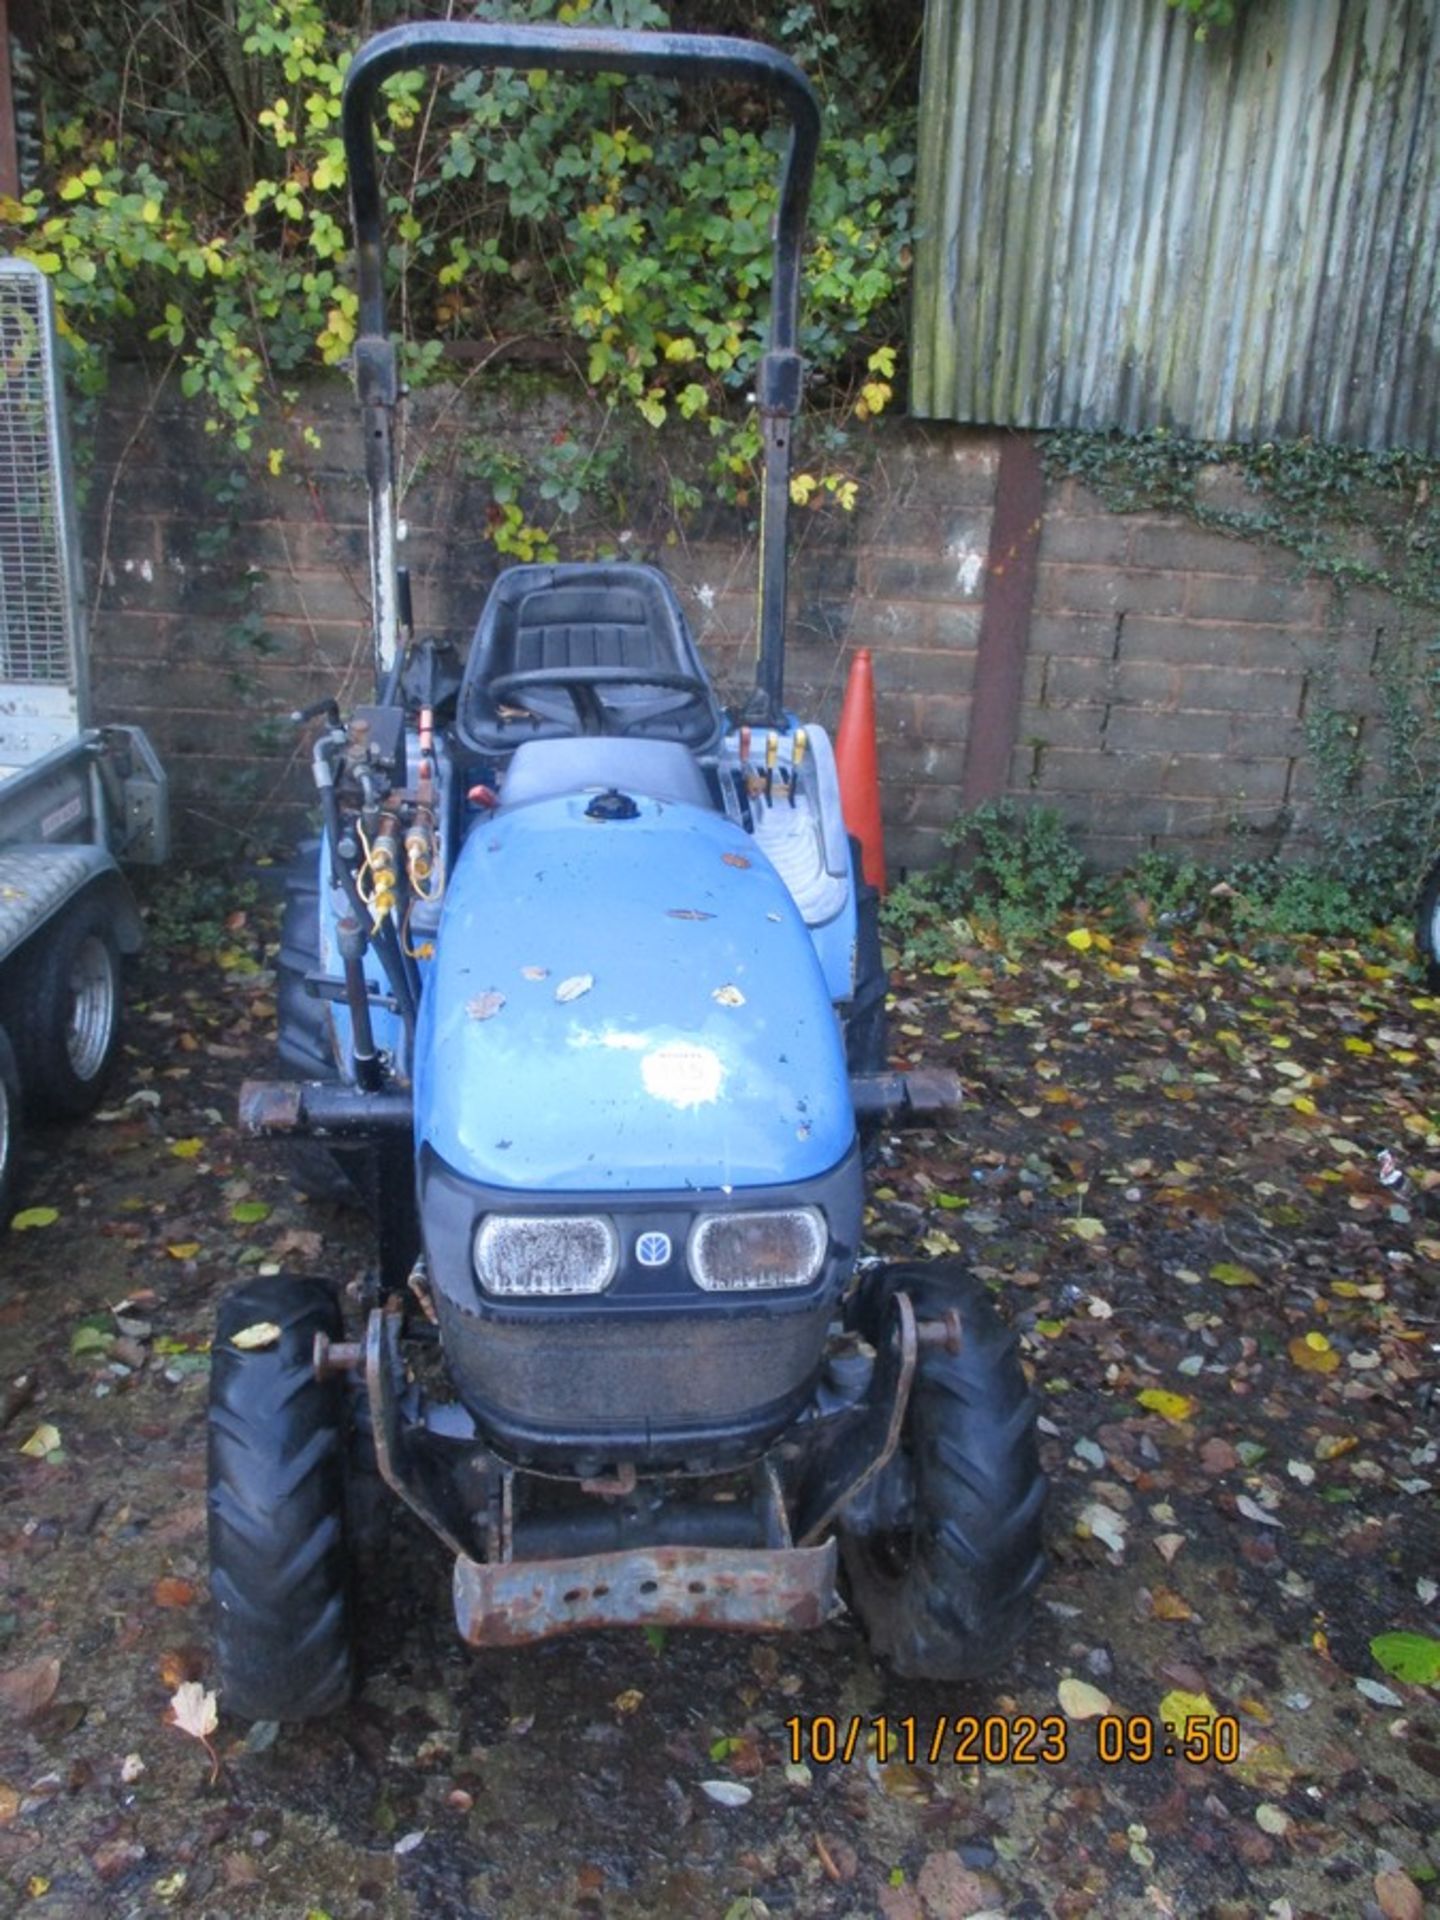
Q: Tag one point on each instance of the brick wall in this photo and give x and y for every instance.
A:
(1166, 669)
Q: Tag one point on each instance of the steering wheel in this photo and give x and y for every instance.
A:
(581, 684)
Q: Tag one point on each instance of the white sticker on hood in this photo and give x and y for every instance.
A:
(682, 1074)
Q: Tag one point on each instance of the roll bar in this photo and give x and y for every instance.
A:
(471, 44)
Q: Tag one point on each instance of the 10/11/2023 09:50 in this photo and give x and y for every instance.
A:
(967, 1740)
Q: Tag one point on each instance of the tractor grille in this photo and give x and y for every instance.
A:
(659, 1387)
(37, 608)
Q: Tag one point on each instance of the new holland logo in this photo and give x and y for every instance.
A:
(653, 1249)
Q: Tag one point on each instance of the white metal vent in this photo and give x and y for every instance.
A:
(39, 610)
(42, 689)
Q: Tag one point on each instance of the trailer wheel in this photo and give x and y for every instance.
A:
(322, 1173)
(10, 1124)
(1427, 926)
(65, 1012)
(944, 1585)
(279, 1568)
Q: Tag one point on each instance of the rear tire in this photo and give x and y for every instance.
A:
(10, 1126)
(64, 1016)
(867, 1040)
(1427, 927)
(945, 1589)
(279, 1566)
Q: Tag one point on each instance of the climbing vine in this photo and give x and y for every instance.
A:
(1354, 517)
(1357, 519)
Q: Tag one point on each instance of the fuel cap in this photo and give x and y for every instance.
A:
(612, 805)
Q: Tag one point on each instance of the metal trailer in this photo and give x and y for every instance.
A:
(75, 799)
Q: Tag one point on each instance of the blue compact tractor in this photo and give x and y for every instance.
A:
(583, 989)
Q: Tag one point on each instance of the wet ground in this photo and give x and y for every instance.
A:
(1165, 1169)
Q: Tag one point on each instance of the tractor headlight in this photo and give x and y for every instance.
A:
(524, 1256)
(781, 1247)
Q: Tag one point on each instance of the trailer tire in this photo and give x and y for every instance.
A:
(64, 1011)
(10, 1125)
(945, 1592)
(323, 1173)
(1427, 927)
(279, 1565)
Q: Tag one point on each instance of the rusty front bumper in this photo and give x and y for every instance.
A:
(745, 1589)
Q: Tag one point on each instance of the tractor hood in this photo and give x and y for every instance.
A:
(626, 1004)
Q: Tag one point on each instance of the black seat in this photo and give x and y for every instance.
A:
(613, 623)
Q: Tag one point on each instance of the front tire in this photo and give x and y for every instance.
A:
(65, 1011)
(944, 1587)
(279, 1570)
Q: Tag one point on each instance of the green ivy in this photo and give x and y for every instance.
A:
(1329, 506)
(195, 198)
(1208, 13)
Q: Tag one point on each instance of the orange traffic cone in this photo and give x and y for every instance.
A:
(855, 762)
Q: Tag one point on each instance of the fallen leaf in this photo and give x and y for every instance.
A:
(1174, 1407)
(1080, 1701)
(1313, 1353)
(728, 996)
(1378, 1692)
(186, 1149)
(572, 988)
(627, 1701)
(1218, 1456)
(1086, 1227)
(1252, 1510)
(1398, 1896)
(171, 1592)
(1104, 1524)
(1272, 1819)
(1166, 1604)
(1167, 1545)
(34, 1217)
(261, 1333)
(44, 1440)
(1231, 1275)
(486, 1005)
(726, 1793)
(1180, 1706)
(1414, 1657)
(408, 1842)
(192, 1710)
(947, 1888)
(25, 1690)
(183, 1249)
(247, 1213)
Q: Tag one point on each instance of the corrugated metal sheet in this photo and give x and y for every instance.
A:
(1122, 226)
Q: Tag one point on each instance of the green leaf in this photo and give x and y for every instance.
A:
(247, 1213)
(34, 1217)
(1409, 1656)
(1231, 1275)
